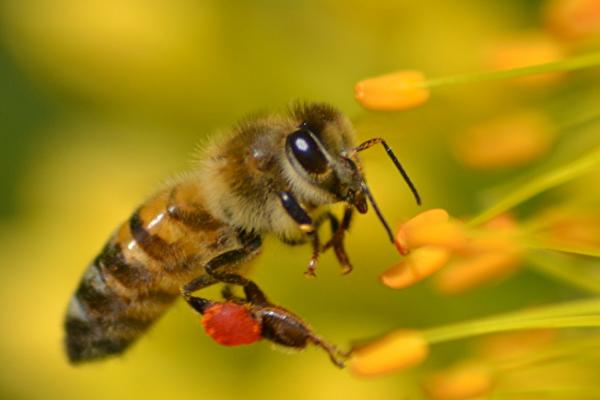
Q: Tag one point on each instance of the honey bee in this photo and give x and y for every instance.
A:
(275, 174)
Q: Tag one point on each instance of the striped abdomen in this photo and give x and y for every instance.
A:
(140, 271)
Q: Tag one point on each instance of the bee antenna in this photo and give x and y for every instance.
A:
(390, 153)
(367, 192)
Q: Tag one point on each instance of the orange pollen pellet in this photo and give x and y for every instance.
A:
(231, 324)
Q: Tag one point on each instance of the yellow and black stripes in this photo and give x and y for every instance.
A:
(195, 221)
(128, 274)
(154, 245)
(139, 273)
(100, 319)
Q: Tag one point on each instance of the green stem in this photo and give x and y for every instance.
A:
(564, 272)
(547, 181)
(557, 351)
(577, 250)
(438, 335)
(583, 313)
(570, 64)
(567, 392)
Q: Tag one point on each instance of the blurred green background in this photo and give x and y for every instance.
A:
(102, 100)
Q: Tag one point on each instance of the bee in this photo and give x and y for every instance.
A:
(275, 174)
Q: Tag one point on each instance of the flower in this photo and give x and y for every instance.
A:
(432, 239)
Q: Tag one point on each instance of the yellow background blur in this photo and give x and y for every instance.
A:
(102, 100)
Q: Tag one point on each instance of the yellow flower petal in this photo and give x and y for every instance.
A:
(397, 350)
(417, 266)
(392, 92)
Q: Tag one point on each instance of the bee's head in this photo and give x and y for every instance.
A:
(322, 153)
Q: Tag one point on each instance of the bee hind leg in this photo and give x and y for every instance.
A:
(227, 293)
(282, 327)
(278, 324)
(215, 274)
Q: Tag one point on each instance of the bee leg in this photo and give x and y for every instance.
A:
(227, 292)
(338, 231)
(253, 293)
(214, 273)
(306, 225)
(287, 329)
(316, 250)
(297, 212)
(198, 303)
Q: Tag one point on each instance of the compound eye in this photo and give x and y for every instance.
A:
(307, 151)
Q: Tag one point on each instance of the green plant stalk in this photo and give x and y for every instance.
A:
(547, 181)
(570, 64)
(553, 352)
(456, 332)
(583, 313)
(566, 392)
(577, 250)
(563, 272)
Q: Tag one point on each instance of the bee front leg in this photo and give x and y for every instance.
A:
(306, 225)
(338, 231)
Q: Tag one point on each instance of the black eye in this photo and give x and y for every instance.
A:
(307, 152)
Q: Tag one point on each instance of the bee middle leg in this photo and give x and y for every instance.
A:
(338, 231)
